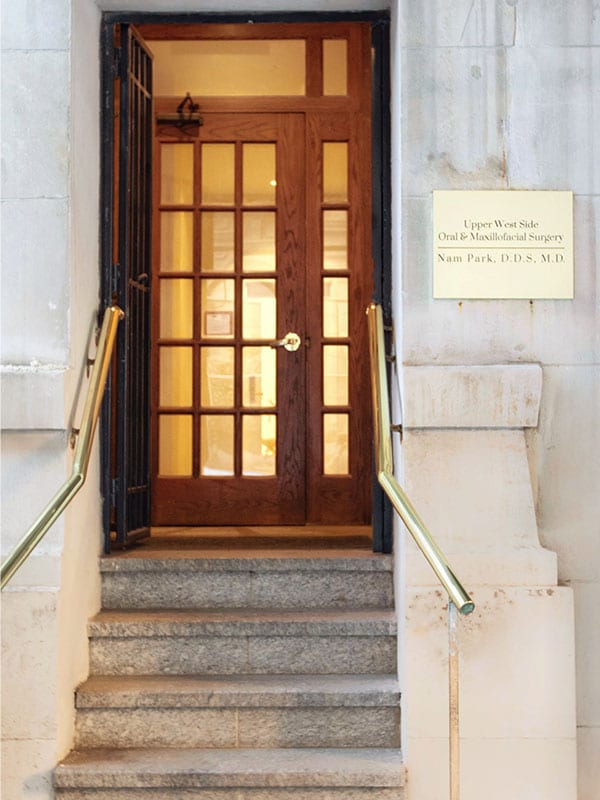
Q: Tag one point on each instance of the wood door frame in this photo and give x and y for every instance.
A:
(381, 177)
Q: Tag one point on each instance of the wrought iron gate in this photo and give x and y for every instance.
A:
(126, 242)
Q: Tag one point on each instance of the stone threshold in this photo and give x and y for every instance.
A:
(254, 541)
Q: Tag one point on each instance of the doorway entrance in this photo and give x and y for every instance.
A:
(229, 323)
(262, 268)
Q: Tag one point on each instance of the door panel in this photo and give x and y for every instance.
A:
(229, 420)
(339, 267)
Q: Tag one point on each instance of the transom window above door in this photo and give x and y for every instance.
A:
(314, 63)
(236, 68)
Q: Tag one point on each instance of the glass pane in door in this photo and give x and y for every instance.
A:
(259, 180)
(230, 68)
(175, 444)
(177, 174)
(218, 174)
(335, 240)
(217, 377)
(259, 377)
(335, 375)
(259, 311)
(176, 241)
(335, 172)
(176, 308)
(175, 379)
(335, 307)
(335, 444)
(259, 444)
(218, 241)
(258, 249)
(216, 445)
(335, 66)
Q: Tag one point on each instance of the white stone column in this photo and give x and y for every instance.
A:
(50, 157)
(35, 349)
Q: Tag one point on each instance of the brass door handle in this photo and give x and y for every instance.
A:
(290, 342)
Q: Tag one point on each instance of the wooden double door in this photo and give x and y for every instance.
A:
(262, 271)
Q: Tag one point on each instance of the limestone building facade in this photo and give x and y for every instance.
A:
(499, 399)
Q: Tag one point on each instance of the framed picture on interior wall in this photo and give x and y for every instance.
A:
(218, 323)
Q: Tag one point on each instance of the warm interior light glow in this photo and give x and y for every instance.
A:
(229, 67)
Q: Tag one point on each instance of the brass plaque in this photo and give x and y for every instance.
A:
(503, 244)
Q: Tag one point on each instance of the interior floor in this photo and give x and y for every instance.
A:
(277, 541)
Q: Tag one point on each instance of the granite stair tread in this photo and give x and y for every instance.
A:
(176, 767)
(243, 622)
(251, 691)
(166, 562)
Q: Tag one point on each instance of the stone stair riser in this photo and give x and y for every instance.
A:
(228, 655)
(254, 728)
(246, 590)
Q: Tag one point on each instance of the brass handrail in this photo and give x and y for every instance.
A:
(112, 317)
(385, 468)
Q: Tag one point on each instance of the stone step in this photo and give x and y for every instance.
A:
(246, 691)
(243, 774)
(260, 711)
(274, 582)
(243, 642)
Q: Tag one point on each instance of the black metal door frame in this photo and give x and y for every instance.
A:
(126, 501)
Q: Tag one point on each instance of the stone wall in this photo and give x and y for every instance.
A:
(50, 143)
(506, 95)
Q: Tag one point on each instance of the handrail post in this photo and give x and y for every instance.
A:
(453, 702)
